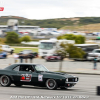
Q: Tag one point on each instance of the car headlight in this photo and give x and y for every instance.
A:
(66, 79)
(76, 79)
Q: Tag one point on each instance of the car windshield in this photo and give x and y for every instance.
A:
(46, 45)
(55, 55)
(41, 68)
(96, 51)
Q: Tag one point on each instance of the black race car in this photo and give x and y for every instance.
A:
(35, 74)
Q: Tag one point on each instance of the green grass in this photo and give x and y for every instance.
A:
(17, 50)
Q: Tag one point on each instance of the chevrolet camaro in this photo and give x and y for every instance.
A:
(36, 75)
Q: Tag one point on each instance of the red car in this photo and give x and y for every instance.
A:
(54, 57)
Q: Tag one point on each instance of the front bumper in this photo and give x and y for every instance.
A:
(70, 84)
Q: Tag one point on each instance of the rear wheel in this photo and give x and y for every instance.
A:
(51, 84)
(11, 52)
(5, 81)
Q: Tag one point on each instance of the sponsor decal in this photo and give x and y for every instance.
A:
(26, 77)
(1, 8)
(40, 77)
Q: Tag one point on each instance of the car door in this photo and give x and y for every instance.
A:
(24, 76)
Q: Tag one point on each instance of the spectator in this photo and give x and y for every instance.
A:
(21, 58)
(26, 57)
(16, 56)
(31, 56)
(95, 63)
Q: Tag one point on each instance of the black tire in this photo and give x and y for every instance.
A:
(17, 84)
(5, 81)
(75, 59)
(42, 57)
(51, 84)
(46, 60)
(5, 57)
(12, 51)
(56, 59)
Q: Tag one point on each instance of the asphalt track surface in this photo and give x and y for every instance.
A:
(85, 88)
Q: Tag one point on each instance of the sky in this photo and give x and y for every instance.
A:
(48, 9)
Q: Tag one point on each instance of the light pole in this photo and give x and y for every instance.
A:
(60, 65)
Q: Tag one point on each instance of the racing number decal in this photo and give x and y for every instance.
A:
(40, 77)
(26, 77)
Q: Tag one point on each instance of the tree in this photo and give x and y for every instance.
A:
(1, 50)
(79, 39)
(25, 38)
(2, 40)
(12, 37)
(71, 51)
(74, 52)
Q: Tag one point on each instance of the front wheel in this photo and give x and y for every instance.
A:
(51, 84)
(5, 81)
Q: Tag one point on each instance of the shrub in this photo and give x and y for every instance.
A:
(71, 50)
(2, 40)
(12, 37)
(25, 38)
(79, 39)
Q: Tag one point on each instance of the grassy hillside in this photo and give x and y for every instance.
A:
(89, 27)
(81, 24)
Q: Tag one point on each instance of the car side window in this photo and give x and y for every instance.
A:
(16, 68)
(26, 68)
(97, 51)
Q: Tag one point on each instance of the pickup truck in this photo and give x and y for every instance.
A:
(94, 54)
(7, 48)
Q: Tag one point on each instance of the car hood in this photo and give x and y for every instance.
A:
(96, 54)
(57, 74)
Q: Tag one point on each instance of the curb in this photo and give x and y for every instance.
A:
(78, 73)
(82, 73)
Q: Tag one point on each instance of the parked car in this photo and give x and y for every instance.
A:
(94, 54)
(7, 48)
(3, 55)
(54, 57)
(28, 54)
(35, 75)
